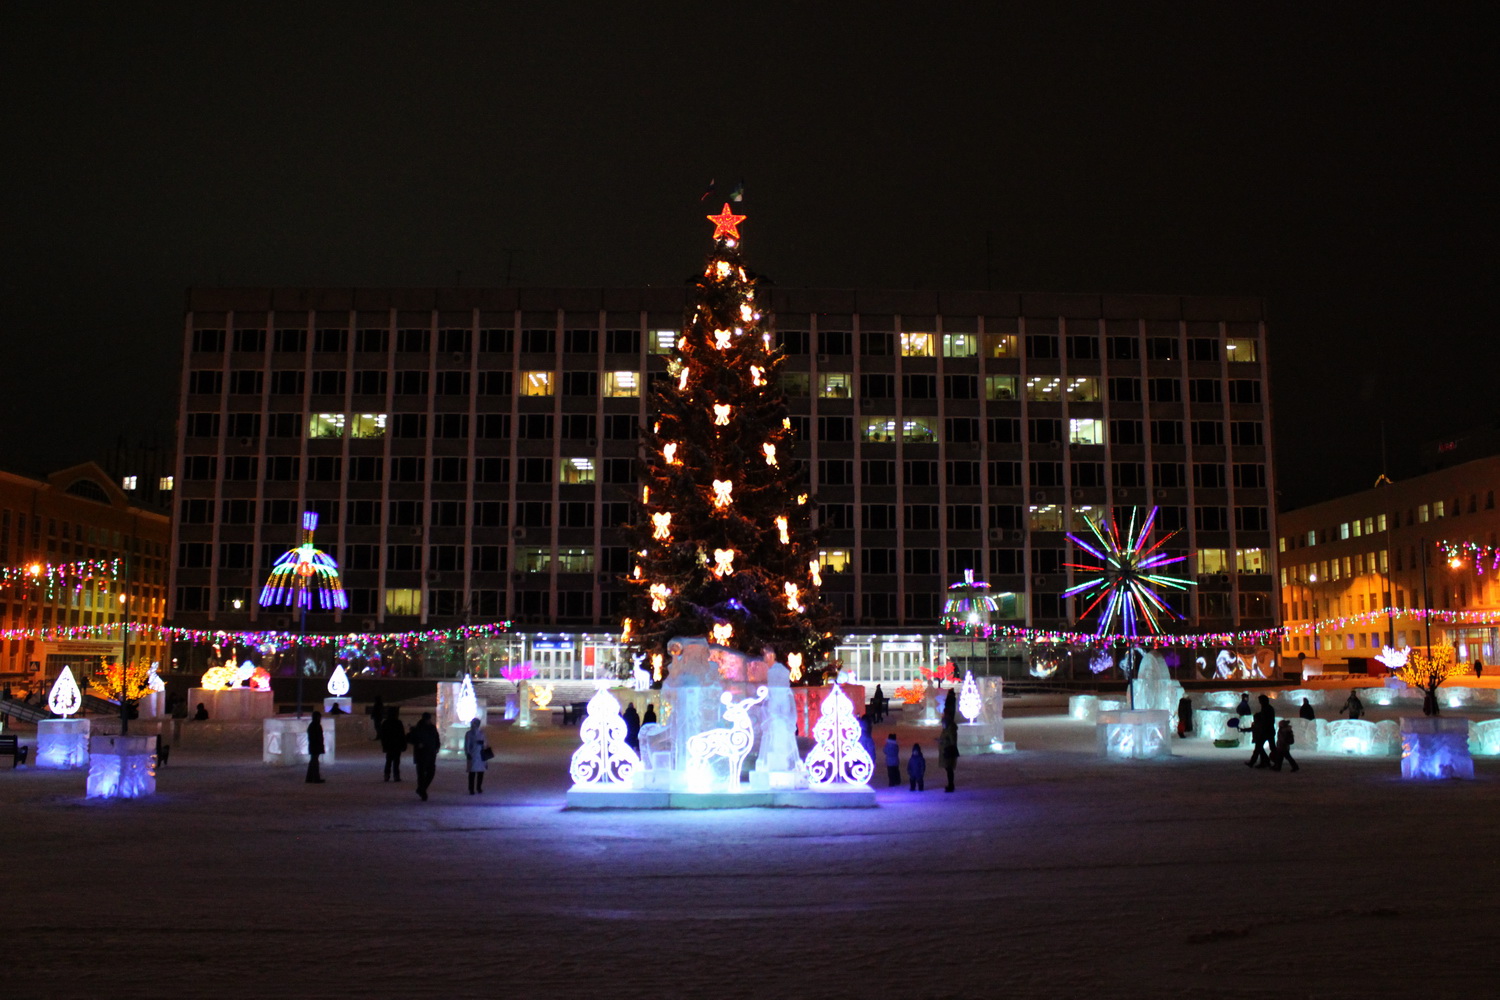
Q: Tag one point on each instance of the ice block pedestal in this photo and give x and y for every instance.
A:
(338, 706)
(62, 744)
(1135, 735)
(122, 767)
(285, 740)
(1435, 747)
(232, 705)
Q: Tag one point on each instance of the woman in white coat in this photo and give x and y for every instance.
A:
(475, 747)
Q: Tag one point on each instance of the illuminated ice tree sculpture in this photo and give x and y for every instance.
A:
(303, 577)
(1426, 670)
(724, 541)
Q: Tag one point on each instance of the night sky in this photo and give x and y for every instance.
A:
(1338, 162)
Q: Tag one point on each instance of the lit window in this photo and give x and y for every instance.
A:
(1085, 431)
(1083, 390)
(1369, 526)
(999, 345)
(960, 345)
(576, 470)
(1358, 528)
(1044, 388)
(1009, 605)
(663, 341)
(1239, 349)
(1423, 514)
(918, 431)
(1312, 538)
(1380, 522)
(128, 483)
(881, 430)
(917, 345)
(1344, 530)
(1437, 510)
(534, 559)
(1281, 544)
(1211, 561)
(1250, 560)
(1383, 562)
(325, 425)
(622, 383)
(1084, 516)
(1000, 387)
(403, 601)
(834, 385)
(367, 425)
(536, 384)
(834, 560)
(575, 560)
(1047, 517)
(164, 483)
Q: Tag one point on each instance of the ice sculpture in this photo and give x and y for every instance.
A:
(1135, 735)
(338, 684)
(969, 703)
(838, 757)
(154, 681)
(1153, 688)
(1394, 659)
(732, 742)
(465, 705)
(1360, 737)
(1436, 747)
(121, 767)
(604, 758)
(64, 699)
(1484, 737)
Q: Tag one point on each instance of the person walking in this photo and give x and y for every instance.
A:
(1306, 711)
(1284, 740)
(632, 727)
(1262, 734)
(1478, 667)
(948, 739)
(1353, 706)
(425, 744)
(315, 748)
(1184, 716)
(477, 755)
(892, 761)
(916, 768)
(393, 741)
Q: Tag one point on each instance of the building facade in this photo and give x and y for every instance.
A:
(471, 451)
(78, 555)
(1354, 570)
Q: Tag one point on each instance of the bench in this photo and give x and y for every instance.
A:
(18, 754)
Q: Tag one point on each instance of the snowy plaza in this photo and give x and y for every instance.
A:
(1051, 872)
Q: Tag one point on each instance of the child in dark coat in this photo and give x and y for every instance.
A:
(916, 768)
(1284, 740)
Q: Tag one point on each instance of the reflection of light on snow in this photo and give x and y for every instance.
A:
(732, 742)
(64, 699)
(969, 702)
(465, 705)
(338, 684)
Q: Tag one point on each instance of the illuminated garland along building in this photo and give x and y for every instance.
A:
(71, 546)
(471, 452)
(1352, 568)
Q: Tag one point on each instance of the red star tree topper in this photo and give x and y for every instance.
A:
(724, 544)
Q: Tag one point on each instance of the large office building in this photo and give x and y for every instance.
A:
(78, 561)
(471, 451)
(1357, 571)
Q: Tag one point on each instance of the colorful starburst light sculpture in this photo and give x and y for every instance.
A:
(305, 577)
(1127, 577)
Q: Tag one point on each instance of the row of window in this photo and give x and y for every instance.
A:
(873, 343)
(1359, 527)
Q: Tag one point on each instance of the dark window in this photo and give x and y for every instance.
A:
(239, 511)
(452, 383)
(963, 473)
(878, 560)
(1169, 474)
(1250, 519)
(1203, 349)
(205, 382)
(580, 384)
(1083, 347)
(622, 341)
(406, 512)
(836, 516)
(448, 513)
(614, 559)
(580, 341)
(835, 473)
(288, 341)
(249, 383)
(1125, 390)
(614, 514)
(921, 517)
(1172, 519)
(411, 383)
(921, 562)
(409, 425)
(369, 383)
(1243, 390)
(283, 468)
(1211, 518)
(618, 471)
(496, 341)
(331, 341)
(961, 386)
(1208, 432)
(578, 426)
(961, 430)
(835, 342)
(403, 557)
(494, 425)
(536, 426)
(245, 425)
(575, 514)
(1204, 390)
(280, 512)
(1005, 430)
(1208, 476)
(200, 467)
(250, 341)
(323, 469)
(1161, 348)
(1125, 432)
(326, 383)
(454, 341)
(491, 514)
(877, 386)
(450, 469)
(1164, 390)
(878, 516)
(835, 428)
(364, 512)
(413, 341)
(964, 517)
(203, 425)
(492, 470)
(620, 427)
(1041, 345)
(1046, 431)
(1088, 474)
(1129, 474)
(1005, 474)
(538, 341)
(919, 473)
(408, 469)
(1046, 474)
(878, 473)
(495, 383)
(1166, 432)
(241, 468)
(801, 427)
(919, 386)
(534, 514)
(1246, 433)
(372, 341)
(1006, 517)
(792, 341)
(196, 511)
(1046, 561)
(1250, 477)
(194, 555)
(533, 470)
(1006, 562)
(876, 344)
(1123, 348)
(208, 341)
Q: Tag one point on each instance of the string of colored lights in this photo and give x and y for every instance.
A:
(53, 577)
(273, 638)
(1447, 616)
(1040, 636)
(1455, 554)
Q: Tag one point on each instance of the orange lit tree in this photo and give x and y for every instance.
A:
(724, 543)
(1427, 669)
(126, 684)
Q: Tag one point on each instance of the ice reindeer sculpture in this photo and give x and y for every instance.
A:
(691, 759)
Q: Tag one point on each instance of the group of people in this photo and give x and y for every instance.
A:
(1272, 742)
(916, 763)
(425, 742)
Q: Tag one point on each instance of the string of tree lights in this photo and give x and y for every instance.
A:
(54, 578)
(268, 640)
(724, 541)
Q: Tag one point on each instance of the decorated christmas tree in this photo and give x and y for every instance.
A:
(725, 547)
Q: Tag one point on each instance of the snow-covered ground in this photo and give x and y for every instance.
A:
(1050, 873)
